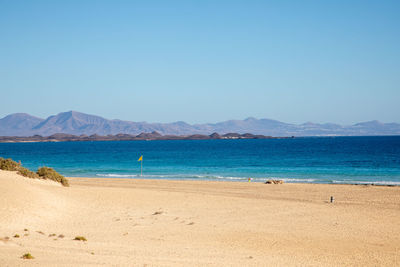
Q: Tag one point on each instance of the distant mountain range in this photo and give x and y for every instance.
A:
(76, 123)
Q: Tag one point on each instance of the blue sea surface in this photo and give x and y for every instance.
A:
(362, 160)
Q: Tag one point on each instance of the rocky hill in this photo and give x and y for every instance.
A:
(76, 123)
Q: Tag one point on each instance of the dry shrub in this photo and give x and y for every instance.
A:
(51, 174)
(44, 172)
(9, 165)
(27, 256)
(27, 173)
(80, 238)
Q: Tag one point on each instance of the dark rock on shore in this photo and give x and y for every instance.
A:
(274, 182)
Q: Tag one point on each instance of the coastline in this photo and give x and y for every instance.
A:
(62, 137)
(199, 223)
(244, 180)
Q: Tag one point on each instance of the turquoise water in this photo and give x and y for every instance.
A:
(312, 160)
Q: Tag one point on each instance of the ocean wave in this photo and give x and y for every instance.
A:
(170, 176)
(117, 175)
(299, 180)
(365, 182)
(236, 178)
(203, 177)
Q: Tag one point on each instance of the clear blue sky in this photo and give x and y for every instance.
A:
(202, 61)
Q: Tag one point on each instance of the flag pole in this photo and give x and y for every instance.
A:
(141, 165)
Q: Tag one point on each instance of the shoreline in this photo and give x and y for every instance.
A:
(149, 137)
(236, 181)
(154, 136)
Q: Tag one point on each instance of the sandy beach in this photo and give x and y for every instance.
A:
(131, 222)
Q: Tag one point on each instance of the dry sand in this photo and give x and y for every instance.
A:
(190, 223)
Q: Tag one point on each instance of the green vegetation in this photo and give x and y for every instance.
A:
(27, 173)
(44, 172)
(80, 238)
(16, 235)
(27, 256)
(51, 174)
(9, 165)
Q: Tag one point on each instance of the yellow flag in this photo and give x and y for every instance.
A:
(140, 159)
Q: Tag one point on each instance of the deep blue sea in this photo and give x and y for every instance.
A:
(312, 160)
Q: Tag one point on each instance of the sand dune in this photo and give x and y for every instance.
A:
(189, 223)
